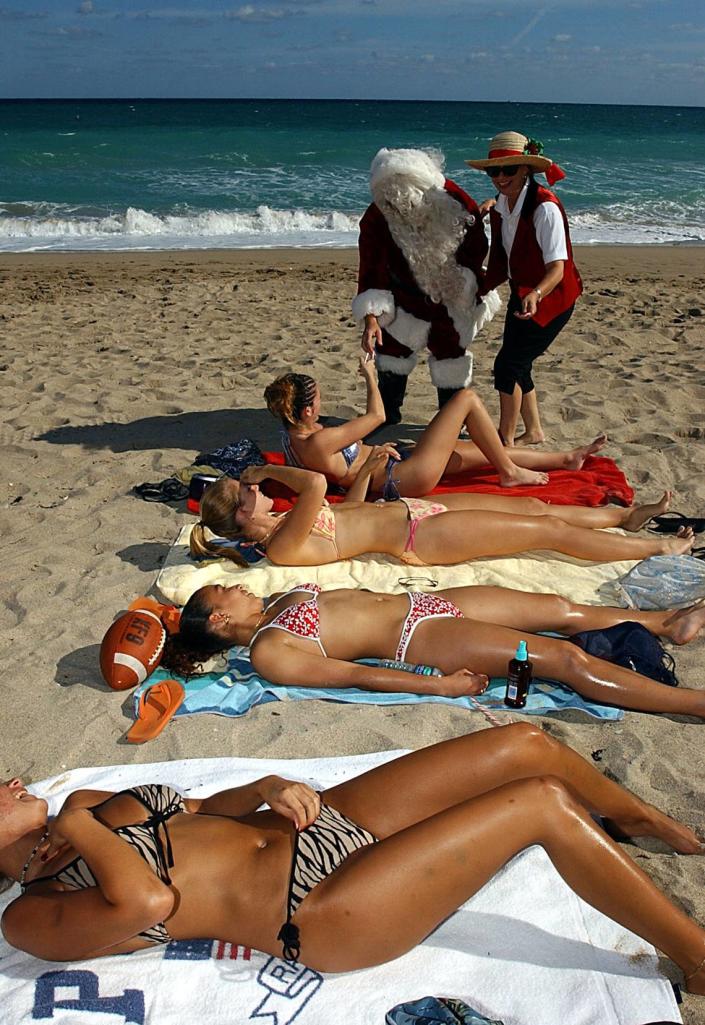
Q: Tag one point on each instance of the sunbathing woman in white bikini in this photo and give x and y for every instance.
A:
(447, 530)
(313, 638)
(339, 454)
(312, 877)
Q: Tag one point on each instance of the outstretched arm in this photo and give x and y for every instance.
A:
(330, 440)
(282, 662)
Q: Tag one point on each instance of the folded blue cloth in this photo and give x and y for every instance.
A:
(239, 689)
(660, 582)
(437, 1011)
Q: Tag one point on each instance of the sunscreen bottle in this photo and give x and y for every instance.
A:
(519, 674)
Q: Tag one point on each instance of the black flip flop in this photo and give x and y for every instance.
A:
(169, 490)
(671, 522)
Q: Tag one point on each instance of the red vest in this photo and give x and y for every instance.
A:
(525, 266)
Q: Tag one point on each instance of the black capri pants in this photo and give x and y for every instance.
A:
(522, 343)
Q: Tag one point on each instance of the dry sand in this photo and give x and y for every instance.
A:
(117, 369)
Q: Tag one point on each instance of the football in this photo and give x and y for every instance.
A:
(132, 648)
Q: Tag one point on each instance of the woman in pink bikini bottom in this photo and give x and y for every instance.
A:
(309, 637)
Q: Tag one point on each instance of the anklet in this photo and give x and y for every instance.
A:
(695, 971)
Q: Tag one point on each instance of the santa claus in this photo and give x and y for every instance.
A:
(421, 250)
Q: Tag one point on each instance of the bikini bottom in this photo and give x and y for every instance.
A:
(390, 491)
(318, 851)
(422, 607)
(418, 509)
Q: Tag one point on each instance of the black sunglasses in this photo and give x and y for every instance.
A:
(509, 171)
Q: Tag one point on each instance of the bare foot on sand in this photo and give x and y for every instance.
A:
(695, 982)
(519, 476)
(641, 514)
(685, 624)
(680, 544)
(533, 438)
(577, 456)
(661, 826)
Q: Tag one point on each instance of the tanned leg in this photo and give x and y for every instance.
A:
(438, 449)
(440, 776)
(537, 613)
(457, 536)
(453, 644)
(415, 878)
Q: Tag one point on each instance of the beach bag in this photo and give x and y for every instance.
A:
(436, 1011)
(632, 646)
(232, 459)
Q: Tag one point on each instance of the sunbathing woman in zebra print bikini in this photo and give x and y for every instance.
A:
(404, 844)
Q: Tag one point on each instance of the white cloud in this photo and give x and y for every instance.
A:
(86, 7)
(562, 38)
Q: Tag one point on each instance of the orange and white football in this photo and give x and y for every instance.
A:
(132, 648)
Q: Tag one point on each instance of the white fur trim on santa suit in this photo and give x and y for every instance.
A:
(409, 330)
(451, 373)
(421, 168)
(396, 364)
(486, 309)
(376, 301)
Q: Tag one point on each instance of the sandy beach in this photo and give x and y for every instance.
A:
(119, 368)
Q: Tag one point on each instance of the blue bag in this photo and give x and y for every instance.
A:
(436, 1011)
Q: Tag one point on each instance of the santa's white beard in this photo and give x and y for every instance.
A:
(428, 227)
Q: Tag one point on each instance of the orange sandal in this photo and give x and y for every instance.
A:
(156, 707)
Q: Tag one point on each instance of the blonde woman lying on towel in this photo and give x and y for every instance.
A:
(339, 453)
(313, 638)
(311, 878)
(441, 531)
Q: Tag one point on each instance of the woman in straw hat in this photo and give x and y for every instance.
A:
(530, 247)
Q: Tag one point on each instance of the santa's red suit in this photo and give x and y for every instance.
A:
(421, 245)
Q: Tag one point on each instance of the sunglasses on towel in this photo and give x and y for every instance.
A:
(509, 171)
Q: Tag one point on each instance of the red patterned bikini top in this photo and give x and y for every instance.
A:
(300, 619)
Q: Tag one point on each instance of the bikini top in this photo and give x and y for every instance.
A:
(349, 454)
(302, 619)
(149, 838)
(323, 525)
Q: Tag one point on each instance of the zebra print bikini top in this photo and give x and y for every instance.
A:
(149, 838)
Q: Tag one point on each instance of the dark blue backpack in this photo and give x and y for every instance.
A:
(234, 458)
(632, 646)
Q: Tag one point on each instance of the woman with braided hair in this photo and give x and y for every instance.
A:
(339, 453)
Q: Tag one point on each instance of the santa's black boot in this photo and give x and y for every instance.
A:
(444, 394)
(392, 388)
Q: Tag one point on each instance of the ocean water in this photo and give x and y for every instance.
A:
(175, 174)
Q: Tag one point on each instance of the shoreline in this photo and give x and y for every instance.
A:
(652, 254)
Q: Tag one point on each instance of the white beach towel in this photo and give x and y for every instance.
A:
(525, 949)
(180, 576)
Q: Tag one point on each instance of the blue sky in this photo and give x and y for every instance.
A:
(584, 51)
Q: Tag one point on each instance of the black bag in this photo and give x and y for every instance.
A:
(632, 646)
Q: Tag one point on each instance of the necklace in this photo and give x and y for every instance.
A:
(30, 859)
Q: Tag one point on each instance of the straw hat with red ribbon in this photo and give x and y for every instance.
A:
(514, 148)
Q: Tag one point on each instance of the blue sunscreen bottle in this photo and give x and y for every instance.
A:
(519, 673)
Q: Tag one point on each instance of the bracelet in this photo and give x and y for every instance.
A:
(539, 293)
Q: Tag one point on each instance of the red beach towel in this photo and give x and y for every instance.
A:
(600, 481)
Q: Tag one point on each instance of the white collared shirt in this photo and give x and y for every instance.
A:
(548, 225)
